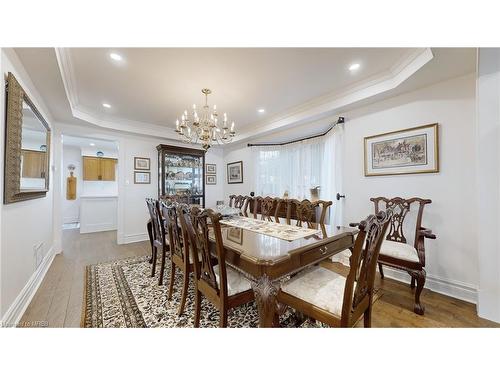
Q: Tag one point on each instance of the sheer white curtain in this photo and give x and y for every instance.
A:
(300, 166)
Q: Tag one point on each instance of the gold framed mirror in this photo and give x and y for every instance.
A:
(27, 147)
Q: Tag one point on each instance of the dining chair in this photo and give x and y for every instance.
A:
(239, 201)
(221, 285)
(333, 299)
(179, 251)
(305, 211)
(157, 237)
(396, 252)
(267, 207)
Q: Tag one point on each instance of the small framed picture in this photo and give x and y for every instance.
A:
(210, 169)
(142, 177)
(235, 235)
(407, 151)
(235, 172)
(142, 164)
(210, 180)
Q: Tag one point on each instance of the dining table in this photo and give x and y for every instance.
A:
(267, 260)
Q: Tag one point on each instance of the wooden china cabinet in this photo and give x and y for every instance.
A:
(181, 174)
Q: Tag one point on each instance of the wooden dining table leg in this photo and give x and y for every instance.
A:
(265, 291)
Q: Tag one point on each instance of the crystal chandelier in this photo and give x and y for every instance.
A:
(205, 128)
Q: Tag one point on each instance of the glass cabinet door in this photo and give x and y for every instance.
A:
(182, 178)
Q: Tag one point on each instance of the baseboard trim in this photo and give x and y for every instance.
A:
(139, 237)
(15, 312)
(452, 288)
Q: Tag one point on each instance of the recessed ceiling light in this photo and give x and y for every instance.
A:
(115, 56)
(106, 105)
(92, 144)
(354, 67)
(261, 110)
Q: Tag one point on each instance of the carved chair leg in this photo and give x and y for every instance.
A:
(185, 286)
(381, 270)
(153, 261)
(162, 268)
(197, 308)
(412, 283)
(420, 276)
(172, 277)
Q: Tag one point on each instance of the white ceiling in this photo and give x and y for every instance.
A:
(155, 85)
(152, 86)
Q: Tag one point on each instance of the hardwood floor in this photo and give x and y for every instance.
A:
(58, 301)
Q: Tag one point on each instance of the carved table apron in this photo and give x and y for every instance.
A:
(267, 261)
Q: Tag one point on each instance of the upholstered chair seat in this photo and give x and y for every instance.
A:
(399, 250)
(319, 287)
(236, 282)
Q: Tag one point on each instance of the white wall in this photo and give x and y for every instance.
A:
(239, 152)
(488, 176)
(71, 208)
(452, 265)
(24, 225)
(214, 193)
(451, 259)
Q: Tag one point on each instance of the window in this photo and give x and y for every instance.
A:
(300, 166)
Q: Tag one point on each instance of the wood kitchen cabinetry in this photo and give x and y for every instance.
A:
(98, 169)
(33, 163)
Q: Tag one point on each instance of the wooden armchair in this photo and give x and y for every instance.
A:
(396, 252)
(223, 286)
(333, 299)
(157, 237)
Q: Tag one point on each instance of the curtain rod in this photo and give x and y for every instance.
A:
(340, 120)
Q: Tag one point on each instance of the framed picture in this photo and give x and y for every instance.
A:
(142, 177)
(235, 172)
(210, 169)
(143, 164)
(235, 235)
(413, 150)
(210, 180)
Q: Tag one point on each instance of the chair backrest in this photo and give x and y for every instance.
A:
(305, 211)
(359, 284)
(267, 207)
(156, 219)
(176, 242)
(196, 224)
(400, 208)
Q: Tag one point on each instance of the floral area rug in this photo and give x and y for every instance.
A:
(123, 294)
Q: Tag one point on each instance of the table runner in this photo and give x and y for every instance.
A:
(281, 231)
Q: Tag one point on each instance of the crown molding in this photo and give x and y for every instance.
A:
(309, 111)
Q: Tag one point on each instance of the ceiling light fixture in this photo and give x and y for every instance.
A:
(106, 105)
(92, 144)
(261, 110)
(354, 67)
(205, 128)
(115, 56)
